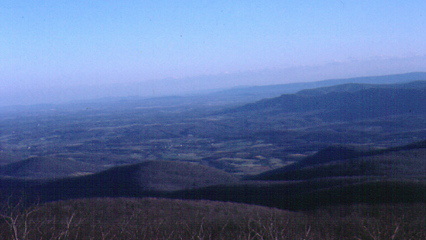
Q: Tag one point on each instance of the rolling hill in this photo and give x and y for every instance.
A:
(333, 176)
(394, 175)
(350, 176)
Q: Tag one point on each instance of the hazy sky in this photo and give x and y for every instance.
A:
(59, 44)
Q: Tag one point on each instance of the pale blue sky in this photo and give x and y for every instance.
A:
(60, 43)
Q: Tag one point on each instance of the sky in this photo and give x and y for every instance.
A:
(51, 46)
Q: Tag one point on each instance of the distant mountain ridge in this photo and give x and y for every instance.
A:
(231, 96)
(384, 79)
(346, 102)
(275, 90)
(353, 87)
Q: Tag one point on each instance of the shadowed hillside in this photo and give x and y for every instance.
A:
(46, 167)
(329, 154)
(336, 175)
(6, 158)
(135, 180)
(400, 162)
(312, 194)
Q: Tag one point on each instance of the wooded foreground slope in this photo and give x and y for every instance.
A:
(150, 218)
